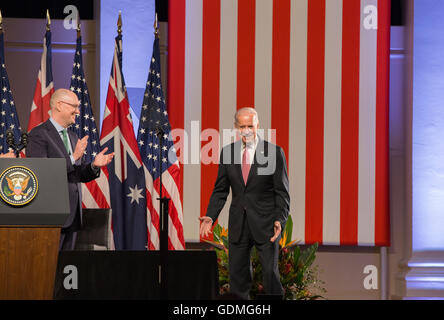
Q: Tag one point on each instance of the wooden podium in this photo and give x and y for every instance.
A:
(30, 233)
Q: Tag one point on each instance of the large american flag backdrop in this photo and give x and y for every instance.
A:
(317, 71)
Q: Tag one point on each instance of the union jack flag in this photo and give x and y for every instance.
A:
(126, 178)
(95, 194)
(159, 160)
(44, 87)
(8, 114)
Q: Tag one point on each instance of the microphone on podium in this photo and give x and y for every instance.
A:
(10, 140)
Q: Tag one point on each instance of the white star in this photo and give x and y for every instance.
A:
(4, 101)
(142, 131)
(135, 194)
(141, 142)
(4, 89)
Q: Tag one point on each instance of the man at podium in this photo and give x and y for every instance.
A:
(51, 139)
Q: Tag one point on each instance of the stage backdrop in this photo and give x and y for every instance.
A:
(317, 72)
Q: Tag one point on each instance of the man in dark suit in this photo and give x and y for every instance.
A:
(51, 139)
(256, 172)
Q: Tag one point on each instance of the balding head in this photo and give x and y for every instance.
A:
(61, 95)
(64, 107)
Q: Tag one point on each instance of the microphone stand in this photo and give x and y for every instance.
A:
(164, 203)
(10, 139)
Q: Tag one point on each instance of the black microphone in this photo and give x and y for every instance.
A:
(24, 139)
(10, 138)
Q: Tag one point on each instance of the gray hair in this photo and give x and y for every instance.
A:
(246, 110)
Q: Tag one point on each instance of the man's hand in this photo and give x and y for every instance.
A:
(277, 231)
(10, 154)
(103, 159)
(205, 226)
(80, 148)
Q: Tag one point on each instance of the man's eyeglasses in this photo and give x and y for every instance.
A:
(75, 106)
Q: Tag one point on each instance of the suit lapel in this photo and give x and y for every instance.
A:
(55, 136)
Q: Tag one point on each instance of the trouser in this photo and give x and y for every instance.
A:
(240, 270)
(68, 240)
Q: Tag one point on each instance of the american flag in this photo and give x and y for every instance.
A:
(95, 194)
(8, 114)
(159, 160)
(317, 72)
(126, 176)
(44, 87)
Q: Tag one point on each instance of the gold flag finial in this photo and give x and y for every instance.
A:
(1, 22)
(119, 23)
(48, 21)
(156, 27)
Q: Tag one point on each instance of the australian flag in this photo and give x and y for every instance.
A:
(8, 114)
(159, 158)
(95, 194)
(126, 173)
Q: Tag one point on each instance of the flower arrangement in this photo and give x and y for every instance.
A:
(299, 277)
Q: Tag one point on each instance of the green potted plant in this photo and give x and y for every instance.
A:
(299, 277)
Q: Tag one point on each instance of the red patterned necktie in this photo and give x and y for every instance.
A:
(245, 165)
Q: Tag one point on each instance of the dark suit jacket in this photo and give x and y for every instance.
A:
(44, 142)
(265, 197)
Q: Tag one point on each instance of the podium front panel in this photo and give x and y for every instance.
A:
(50, 206)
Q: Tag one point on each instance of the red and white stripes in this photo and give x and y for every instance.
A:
(317, 73)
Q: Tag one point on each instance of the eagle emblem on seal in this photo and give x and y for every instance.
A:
(18, 185)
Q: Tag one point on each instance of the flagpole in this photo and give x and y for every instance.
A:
(1, 22)
(164, 206)
(79, 34)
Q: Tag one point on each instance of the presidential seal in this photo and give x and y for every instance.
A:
(18, 185)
